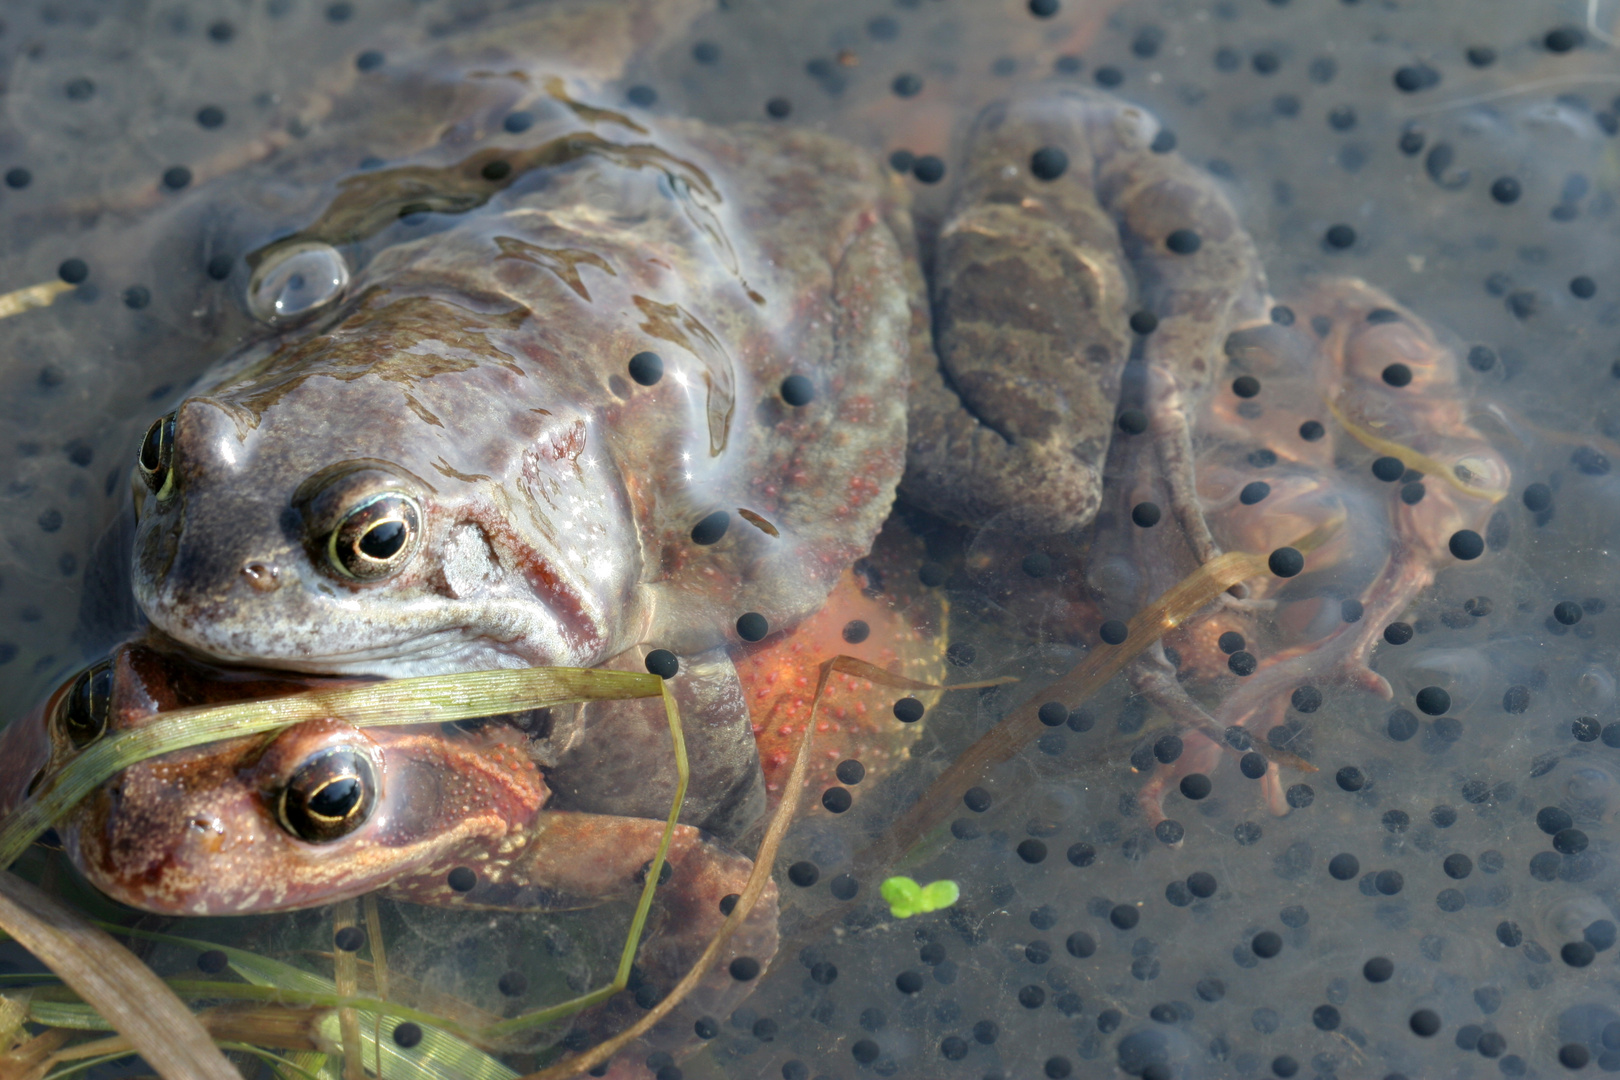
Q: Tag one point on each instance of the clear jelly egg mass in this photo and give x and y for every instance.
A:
(975, 539)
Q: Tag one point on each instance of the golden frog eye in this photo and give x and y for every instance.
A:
(156, 459)
(329, 797)
(375, 538)
(296, 280)
(82, 711)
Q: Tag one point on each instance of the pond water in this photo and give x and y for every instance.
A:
(1420, 877)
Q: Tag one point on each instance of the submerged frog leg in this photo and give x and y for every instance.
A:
(1432, 425)
(1153, 677)
(1200, 277)
(1014, 411)
(567, 861)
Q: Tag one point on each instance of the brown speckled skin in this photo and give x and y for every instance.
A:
(1033, 285)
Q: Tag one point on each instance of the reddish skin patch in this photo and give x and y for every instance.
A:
(1198, 646)
(856, 717)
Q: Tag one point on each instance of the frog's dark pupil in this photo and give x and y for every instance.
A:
(84, 715)
(336, 799)
(157, 450)
(329, 797)
(383, 540)
(151, 447)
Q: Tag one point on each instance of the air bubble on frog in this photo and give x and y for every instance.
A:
(295, 280)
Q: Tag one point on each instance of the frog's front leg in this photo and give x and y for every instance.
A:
(1012, 403)
(614, 757)
(569, 861)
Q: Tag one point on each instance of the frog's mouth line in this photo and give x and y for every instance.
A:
(407, 652)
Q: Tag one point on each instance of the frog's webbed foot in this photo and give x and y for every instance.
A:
(1153, 677)
(1013, 414)
(1205, 740)
(570, 861)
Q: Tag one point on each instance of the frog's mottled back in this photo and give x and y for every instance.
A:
(574, 420)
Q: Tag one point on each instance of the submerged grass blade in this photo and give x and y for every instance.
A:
(379, 963)
(275, 1060)
(439, 1056)
(106, 975)
(638, 922)
(426, 700)
(346, 973)
(33, 296)
(1412, 459)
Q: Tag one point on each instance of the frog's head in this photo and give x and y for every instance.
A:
(139, 678)
(314, 813)
(383, 496)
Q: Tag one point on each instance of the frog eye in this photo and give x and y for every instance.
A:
(82, 711)
(295, 280)
(329, 796)
(156, 459)
(1486, 473)
(375, 538)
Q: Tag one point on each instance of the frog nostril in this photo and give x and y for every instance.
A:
(263, 577)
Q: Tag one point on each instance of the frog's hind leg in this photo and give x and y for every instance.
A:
(1012, 401)
(1199, 275)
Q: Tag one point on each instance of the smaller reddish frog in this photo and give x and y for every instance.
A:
(1344, 376)
(453, 815)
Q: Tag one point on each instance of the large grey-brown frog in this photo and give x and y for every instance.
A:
(577, 387)
(566, 390)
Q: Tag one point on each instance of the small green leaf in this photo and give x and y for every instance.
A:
(939, 894)
(904, 896)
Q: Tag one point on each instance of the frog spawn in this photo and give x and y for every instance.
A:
(1257, 158)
